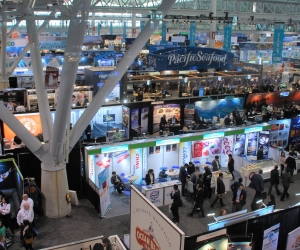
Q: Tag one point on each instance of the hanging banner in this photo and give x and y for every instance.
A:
(163, 33)
(136, 159)
(252, 143)
(270, 241)
(124, 32)
(142, 25)
(51, 78)
(227, 36)
(150, 228)
(192, 33)
(278, 42)
(227, 147)
(185, 153)
(111, 28)
(239, 146)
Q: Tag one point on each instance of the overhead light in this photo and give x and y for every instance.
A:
(106, 100)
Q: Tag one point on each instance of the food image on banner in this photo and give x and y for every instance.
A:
(144, 120)
(189, 112)
(293, 240)
(252, 143)
(239, 145)
(168, 109)
(103, 180)
(279, 133)
(270, 240)
(207, 149)
(150, 229)
(264, 141)
(227, 146)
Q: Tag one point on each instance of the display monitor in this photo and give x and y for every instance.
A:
(109, 118)
(284, 94)
(201, 91)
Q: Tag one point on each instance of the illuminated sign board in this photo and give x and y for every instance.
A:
(213, 135)
(114, 149)
(251, 130)
(167, 142)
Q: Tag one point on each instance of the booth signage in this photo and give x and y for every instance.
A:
(167, 142)
(114, 149)
(278, 42)
(213, 135)
(227, 36)
(251, 130)
(190, 58)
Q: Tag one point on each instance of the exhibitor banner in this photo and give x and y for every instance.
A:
(271, 238)
(293, 240)
(150, 229)
(278, 42)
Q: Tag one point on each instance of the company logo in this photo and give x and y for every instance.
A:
(184, 155)
(137, 161)
(146, 239)
(29, 124)
(10, 43)
(154, 195)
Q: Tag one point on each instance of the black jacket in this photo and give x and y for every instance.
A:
(113, 180)
(258, 182)
(148, 180)
(235, 186)
(207, 177)
(243, 197)
(200, 196)
(286, 179)
(220, 186)
(191, 169)
(175, 196)
(290, 163)
(274, 176)
(182, 174)
(271, 203)
(231, 165)
(260, 155)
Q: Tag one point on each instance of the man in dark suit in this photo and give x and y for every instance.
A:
(234, 187)
(291, 164)
(207, 182)
(117, 182)
(163, 122)
(286, 180)
(198, 201)
(175, 196)
(227, 120)
(173, 120)
(258, 185)
(260, 153)
(220, 191)
(216, 164)
(274, 180)
(182, 177)
(239, 199)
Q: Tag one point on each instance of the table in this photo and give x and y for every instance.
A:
(159, 193)
(131, 178)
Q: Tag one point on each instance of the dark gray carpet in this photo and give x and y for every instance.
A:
(86, 223)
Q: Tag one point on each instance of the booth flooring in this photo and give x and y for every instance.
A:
(86, 223)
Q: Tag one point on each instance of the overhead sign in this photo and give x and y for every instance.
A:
(254, 129)
(114, 149)
(278, 42)
(167, 142)
(213, 135)
(184, 58)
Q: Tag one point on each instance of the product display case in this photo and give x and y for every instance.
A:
(254, 167)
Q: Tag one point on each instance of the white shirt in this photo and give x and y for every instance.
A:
(29, 201)
(20, 109)
(5, 208)
(10, 107)
(25, 215)
(270, 108)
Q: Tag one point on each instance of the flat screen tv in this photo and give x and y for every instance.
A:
(284, 94)
(109, 118)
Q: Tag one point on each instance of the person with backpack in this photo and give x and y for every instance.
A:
(27, 235)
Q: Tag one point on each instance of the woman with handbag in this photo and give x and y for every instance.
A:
(177, 202)
(27, 235)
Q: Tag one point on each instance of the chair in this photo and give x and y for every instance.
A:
(196, 162)
(208, 163)
(126, 195)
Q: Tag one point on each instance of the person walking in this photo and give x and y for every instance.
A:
(291, 165)
(199, 201)
(234, 187)
(207, 182)
(282, 160)
(220, 191)
(286, 180)
(231, 165)
(239, 199)
(182, 177)
(175, 196)
(194, 178)
(274, 180)
(257, 182)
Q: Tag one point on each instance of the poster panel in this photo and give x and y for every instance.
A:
(144, 119)
(227, 148)
(185, 153)
(155, 159)
(150, 229)
(293, 240)
(206, 150)
(168, 109)
(102, 161)
(134, 119)
(51, 77)
(189, 112)
(270, 240)
(295, 130)
(125, 116)
(279, 133)
(121, 162)
(170, 157)
(263, 140)
(91, 167)
(239, 145)
(136, 160)
(103, 180)
(145, 161)
(252, 143)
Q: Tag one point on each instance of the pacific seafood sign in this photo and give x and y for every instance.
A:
(190, 58)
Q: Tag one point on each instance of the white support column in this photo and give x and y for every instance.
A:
(212, 33)
(26, 48)
(117, 74)
(71, 60)
(13, 28)
(4, 42)
(39, 79)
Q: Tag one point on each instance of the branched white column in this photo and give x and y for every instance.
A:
(39, 79)
(117, 74)
(72, 56)
(26, 48)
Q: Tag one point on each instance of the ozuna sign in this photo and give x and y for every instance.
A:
(146, 240)
(190, 58)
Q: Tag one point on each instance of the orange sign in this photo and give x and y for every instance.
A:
(30, 121)
(146, 240)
